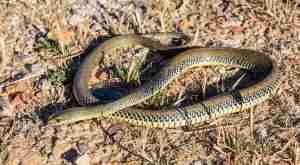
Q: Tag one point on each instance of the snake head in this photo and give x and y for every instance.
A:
(71, 115)
(58, 118)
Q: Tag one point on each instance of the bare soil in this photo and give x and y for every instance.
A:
(43, 42)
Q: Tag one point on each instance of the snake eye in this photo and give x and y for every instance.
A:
(54, 119)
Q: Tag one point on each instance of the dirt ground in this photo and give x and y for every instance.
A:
(43, 42)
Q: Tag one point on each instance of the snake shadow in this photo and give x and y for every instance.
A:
(45, 112)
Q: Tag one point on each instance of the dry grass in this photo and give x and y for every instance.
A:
(268, 134)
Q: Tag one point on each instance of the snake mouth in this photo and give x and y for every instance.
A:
(58, 118)
(54, 120)
(72, 115)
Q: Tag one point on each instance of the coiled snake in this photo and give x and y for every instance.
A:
(122, 110)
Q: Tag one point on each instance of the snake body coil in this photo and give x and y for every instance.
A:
(122, 110)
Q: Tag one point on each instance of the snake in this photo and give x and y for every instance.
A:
(123, 109)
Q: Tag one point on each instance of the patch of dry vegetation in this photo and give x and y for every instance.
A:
(267, 134)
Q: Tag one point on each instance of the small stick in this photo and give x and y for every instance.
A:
(8, 83)
(252, 122)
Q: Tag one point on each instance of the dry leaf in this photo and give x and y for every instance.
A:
(237, 29)
(63, 36)
(33, 159)
(294, 60)
(185, 24)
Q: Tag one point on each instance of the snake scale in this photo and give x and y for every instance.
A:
(213, 107)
